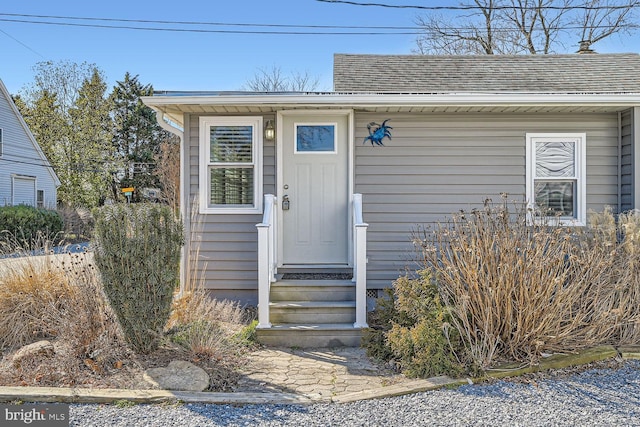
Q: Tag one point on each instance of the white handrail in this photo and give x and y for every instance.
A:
(360, 262)
(267, 260)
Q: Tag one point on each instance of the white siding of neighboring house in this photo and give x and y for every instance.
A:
(21, 158)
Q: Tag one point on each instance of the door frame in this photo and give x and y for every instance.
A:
(349, 114)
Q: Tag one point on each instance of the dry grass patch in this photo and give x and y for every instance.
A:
(212, 332)
(517, 290)
(60, 298)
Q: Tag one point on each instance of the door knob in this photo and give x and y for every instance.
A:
(285, 202)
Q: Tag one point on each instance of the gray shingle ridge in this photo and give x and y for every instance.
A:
(555, 73)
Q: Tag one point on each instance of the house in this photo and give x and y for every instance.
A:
(557, 130)
(26, 176)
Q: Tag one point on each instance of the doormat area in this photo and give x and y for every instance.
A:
(317, 276)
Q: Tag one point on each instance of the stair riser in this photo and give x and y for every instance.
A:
(309, 339)
(312, 315)
(289, 293)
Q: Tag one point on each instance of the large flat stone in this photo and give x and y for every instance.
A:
(178, 375)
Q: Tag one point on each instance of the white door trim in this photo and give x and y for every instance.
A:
(280, 172)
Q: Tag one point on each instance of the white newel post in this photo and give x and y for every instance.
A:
(360, 262)
(266, 260)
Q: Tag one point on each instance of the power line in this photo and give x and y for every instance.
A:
(470, 7)
(415, 30)
(18, 41)
(190, 30)
(225, 24)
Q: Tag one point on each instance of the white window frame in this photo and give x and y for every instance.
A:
(40, 203)
(256, 122)
(335, 137)
(580, 163)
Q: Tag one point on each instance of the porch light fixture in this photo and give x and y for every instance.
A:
(269, 131)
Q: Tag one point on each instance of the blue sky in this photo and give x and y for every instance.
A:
(204, 61)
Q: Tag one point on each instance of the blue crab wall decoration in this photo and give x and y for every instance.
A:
(378, 132)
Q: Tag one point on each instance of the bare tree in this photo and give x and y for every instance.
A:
(598, 23)
(168, 172)
(274, 80)
(524, 26)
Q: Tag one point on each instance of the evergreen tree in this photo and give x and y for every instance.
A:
(91, 137)
(68, 112)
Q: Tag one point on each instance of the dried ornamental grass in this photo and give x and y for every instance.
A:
(29, 289)
(204, 325)
(517, 290)
(621, 298)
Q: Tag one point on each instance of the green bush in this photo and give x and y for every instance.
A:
(411, 327)
(23, 226)
(138, 254)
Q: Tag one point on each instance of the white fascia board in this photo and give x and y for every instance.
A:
(369, 100)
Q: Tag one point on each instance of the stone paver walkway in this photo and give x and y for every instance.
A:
(314, 373)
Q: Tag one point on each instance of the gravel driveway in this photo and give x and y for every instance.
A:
(599, 397)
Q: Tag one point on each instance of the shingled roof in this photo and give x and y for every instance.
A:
(566, 74)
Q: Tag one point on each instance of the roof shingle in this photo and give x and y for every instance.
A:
(567, 74)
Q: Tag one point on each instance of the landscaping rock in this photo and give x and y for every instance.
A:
(179, 375)
(40, 348)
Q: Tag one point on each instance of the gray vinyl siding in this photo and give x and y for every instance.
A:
(439, 164)
(20, 158)
(225, 246)
(627, 161)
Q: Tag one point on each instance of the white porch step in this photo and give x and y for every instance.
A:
(312, 313)
(311, 335)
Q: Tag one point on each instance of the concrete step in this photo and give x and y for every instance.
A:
(313, 290)
(312, 312)
(311, 335)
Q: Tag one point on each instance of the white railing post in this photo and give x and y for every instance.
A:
(360, 262)
(266, 259)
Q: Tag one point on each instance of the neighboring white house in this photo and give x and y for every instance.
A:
(26, 176)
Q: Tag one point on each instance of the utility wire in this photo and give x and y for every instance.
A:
(498, 7)
(18, 41)
(416, 30)
(220, 24)
(193, 30)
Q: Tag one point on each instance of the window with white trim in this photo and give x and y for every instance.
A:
(230, 164)
(556, 176)
(40, 198)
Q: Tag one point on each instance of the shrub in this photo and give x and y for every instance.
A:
(22, 226)
(206, 326)
(516, 289)
(138, 254)
(412, 329)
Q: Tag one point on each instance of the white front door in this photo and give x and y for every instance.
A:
(314, 192)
